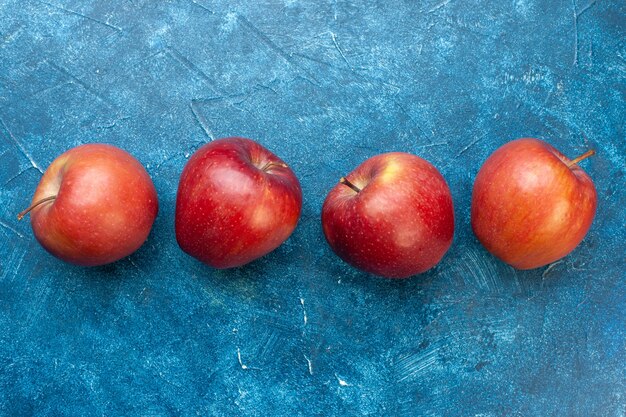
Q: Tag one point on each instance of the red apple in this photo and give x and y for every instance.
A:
(392, 216)
(531, 205)
(236, 202)
(95, 204)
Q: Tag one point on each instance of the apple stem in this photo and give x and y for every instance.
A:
(270, 165)
(586, 155)
(21, 215)
(344, 181)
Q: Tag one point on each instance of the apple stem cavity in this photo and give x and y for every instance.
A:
(586, 155)
(271, 165)
(21, 215)
(345, 181)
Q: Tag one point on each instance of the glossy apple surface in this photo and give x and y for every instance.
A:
(392, 216)
(531, 205)
(236, 202)
(95, 204)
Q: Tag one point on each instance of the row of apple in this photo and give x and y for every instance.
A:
(392, 216)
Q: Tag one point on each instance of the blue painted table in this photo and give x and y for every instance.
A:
(325, 84)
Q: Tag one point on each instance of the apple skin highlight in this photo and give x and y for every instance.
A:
(531, 205)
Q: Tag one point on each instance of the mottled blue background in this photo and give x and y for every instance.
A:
(325, 84)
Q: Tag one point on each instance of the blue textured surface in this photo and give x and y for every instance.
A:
(325, 84)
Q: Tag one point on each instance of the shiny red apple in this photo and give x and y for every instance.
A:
(236, 202)
(95, 204)
(531, 205)
(392, 216)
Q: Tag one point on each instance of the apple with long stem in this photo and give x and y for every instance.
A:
(94, 205)
(236, 202)
(531, 205)
(392, 216)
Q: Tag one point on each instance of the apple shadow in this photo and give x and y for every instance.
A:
(74, 294)
(351, 275)
(240, 282)
(520, 283)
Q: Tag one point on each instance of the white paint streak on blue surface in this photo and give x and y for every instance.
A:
(21, 147)
(11, 228)
(268, 344)
(342, 382)
(201, 120)
(309, 364)
(75, 13)
(411, 366)
(202, 6)
(305, 319)
(438, 6)
(477, 272)
(74, 79)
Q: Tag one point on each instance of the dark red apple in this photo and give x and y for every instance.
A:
(236, 202)
(531, 205)
(95, 204)
(392, 216)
